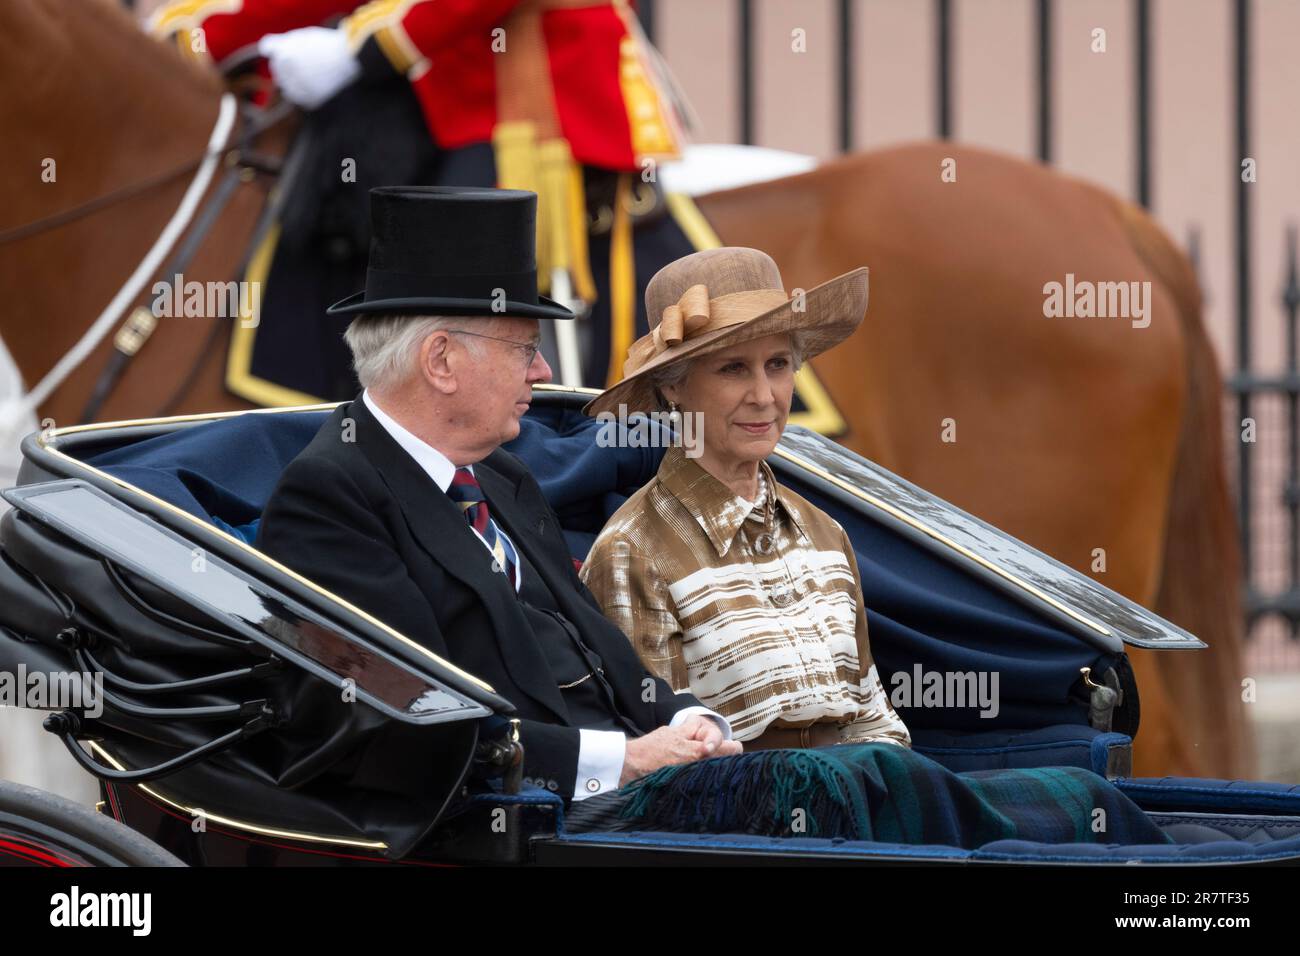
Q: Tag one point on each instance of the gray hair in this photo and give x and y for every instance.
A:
(385, 347)
(673, 374)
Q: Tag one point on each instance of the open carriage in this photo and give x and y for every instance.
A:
(127, 553)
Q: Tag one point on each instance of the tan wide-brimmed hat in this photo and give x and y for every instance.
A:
(715, 298)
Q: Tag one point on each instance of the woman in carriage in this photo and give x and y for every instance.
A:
(727, 583)
(738, 590)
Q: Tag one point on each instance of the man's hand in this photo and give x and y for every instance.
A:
(706, 730)
(310, 65)
(668, 746)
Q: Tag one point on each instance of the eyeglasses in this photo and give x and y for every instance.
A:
(530, 349)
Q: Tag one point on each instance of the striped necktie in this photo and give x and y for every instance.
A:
(465, 491)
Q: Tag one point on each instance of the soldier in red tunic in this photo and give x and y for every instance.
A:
(566, 98)
(580, 70)
(562, 97)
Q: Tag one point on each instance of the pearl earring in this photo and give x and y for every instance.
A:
(674, 415)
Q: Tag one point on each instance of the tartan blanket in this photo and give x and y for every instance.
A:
(876, 792)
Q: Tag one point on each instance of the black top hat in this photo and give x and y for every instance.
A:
(452, 250)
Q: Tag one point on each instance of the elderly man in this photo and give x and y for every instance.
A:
(405, 505)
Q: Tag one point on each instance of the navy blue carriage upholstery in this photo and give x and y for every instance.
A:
(923, 613)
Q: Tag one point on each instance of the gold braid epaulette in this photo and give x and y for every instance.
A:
(382, 19)
(177, 21)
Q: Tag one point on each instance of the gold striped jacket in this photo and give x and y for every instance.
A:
(756, 608)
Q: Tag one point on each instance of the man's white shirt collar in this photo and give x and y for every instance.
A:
(437, 465)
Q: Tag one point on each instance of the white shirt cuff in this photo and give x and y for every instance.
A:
(600, 762)
(718, 719)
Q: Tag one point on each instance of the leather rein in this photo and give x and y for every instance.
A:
(242, 163)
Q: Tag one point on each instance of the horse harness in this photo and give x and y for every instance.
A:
(242, 163)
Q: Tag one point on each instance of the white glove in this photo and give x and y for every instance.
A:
(310, 65)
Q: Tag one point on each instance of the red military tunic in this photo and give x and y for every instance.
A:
(608, 98)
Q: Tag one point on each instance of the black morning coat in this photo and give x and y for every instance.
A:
(362, 519)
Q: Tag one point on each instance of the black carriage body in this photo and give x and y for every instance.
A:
(289, 728)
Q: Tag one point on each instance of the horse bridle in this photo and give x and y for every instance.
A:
(242, 163)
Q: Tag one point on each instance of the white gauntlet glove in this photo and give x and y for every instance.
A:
(310, 65)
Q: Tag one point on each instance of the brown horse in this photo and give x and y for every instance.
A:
(1092, 439)
(82, 87)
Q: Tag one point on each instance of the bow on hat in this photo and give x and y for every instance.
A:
(684, 318)
(695, 313)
